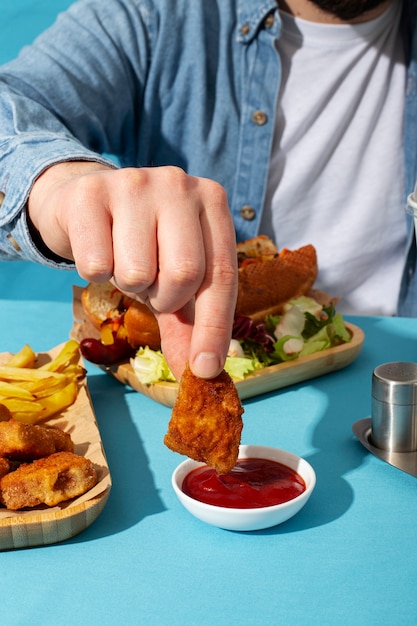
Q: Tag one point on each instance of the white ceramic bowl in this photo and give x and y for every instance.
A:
(248, 519)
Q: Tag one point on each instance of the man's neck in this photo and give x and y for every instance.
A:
(307, 10)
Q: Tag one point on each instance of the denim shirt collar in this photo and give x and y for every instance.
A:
(251, 15)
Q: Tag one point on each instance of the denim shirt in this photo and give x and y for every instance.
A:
(156, 82)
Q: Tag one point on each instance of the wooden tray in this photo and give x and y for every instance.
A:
(47, 525)
(269, 379)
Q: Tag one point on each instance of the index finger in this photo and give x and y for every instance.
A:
(215, 300)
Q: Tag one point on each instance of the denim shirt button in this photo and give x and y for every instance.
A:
(245, 29)
(14, 243)
(247, 212)
(2, 196)
(269, 20)
(259, 117)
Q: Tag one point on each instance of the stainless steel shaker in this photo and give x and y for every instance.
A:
(394, 407)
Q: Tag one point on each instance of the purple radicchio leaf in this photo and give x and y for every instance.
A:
(245, 329)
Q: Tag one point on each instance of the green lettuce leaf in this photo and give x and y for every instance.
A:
(151, 367)
(239, 367)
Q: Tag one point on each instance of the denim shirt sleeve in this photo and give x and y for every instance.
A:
(41, 125)
(102, 80)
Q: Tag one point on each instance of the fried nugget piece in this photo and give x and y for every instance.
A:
(49, 481)
(5, 413)
(206, 421)
(4, 467)
(24, 442)
(264, 287)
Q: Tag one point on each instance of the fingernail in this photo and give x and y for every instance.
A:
(206, 365)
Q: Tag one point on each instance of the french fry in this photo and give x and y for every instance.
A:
(58, 401)
(33, 412)
(69, 355)
(24, 358)
(25, 373)
(10, 390)
(43, 385)
(47, 386)
(75, 371)
(25, 411)
(34, 394)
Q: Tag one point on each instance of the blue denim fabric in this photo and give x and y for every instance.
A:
(156, 82)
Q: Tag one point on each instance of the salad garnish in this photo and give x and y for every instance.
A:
(305, 327)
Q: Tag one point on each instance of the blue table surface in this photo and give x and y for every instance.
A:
(348, 557)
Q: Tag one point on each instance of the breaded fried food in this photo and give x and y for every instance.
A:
(25, 442)
(4, 467)
(54, 479)
(206, 421)
(5, 414)
(267, 278)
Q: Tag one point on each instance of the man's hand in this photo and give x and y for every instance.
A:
(163, 236)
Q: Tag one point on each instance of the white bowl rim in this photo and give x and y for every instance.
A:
(250, 451)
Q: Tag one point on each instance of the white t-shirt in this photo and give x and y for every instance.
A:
(337, 173)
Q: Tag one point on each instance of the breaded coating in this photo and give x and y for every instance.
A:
(5, 413)
(49, 481)
(4, 467)
(25, 442)
(264, 287)
(206, 421)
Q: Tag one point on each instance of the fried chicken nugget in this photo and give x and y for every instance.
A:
(49, 481)
(24, 442)
(5, 413)
(206, 421)
(4, 467)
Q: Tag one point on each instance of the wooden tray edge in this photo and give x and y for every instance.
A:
(48, 527)
(269, 379)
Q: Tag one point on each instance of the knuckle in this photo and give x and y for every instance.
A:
(215, 191)
(131, 178)
(136, 279)
(184, 275)
(175, 178)
(169, 177)
(94, 271)
(224, 272)
(90, 185)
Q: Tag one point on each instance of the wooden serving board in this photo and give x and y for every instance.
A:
(263, 381)
(47, 525)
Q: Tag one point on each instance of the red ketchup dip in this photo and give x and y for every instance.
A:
(252, 483)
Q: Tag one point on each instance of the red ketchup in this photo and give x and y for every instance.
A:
(252, 483)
